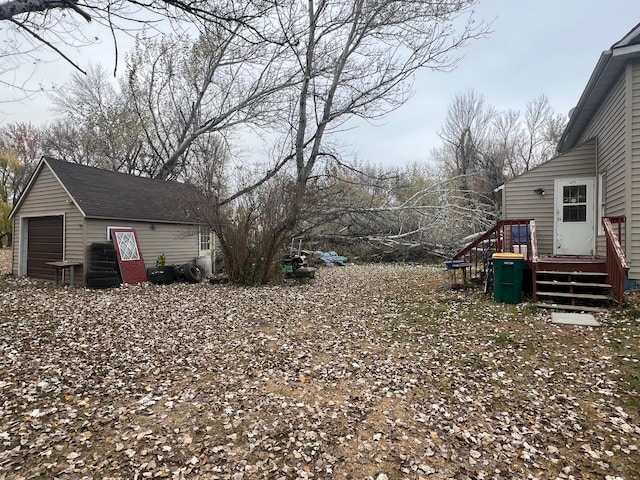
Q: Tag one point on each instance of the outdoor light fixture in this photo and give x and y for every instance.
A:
(539, 191)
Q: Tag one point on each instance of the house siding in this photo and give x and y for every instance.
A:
(179, 243)
(633, 217)
(47, 197)
(608, 126)
(520, 200)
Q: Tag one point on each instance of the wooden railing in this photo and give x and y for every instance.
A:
(515, 236)
(617, 265)
(533, 259)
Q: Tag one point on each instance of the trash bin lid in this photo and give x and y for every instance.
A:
(508, 256)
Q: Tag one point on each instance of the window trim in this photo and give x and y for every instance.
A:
(202, 233)
(112, 227)
(602, 200)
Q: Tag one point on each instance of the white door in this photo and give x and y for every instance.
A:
(574, 224)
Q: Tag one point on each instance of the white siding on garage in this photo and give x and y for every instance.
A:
(522, 202)
(47, 197)
(179, 243)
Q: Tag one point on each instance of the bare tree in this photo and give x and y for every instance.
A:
(22, 144)
(483, 147)
(97, 125)
(182, 90)
(324, 63)
(294, 72)
(400, 213)
(45, 30)
(466, 144)
(539, 142)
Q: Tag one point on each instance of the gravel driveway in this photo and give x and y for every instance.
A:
(368, 372)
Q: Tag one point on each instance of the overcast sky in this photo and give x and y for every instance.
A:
(537, 47)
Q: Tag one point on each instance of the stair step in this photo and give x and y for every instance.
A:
(574, 308)
(575, 273)
(572, 284)
(584, 296)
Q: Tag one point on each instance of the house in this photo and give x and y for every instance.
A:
(584, 204)
(66, 207)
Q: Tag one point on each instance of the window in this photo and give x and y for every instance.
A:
(128, 246)
(574, 199)
(205, 240)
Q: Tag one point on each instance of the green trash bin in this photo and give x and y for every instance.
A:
(507, 274)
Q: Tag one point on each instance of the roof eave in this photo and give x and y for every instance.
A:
(145, 220)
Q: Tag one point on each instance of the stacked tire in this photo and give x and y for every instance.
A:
(165, 274)
(189, 272)
(103, 270)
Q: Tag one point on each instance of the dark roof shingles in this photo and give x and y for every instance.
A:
(106, 194)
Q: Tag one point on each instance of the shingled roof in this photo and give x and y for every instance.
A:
(105, 194)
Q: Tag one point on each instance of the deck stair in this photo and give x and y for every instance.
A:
(572, 283)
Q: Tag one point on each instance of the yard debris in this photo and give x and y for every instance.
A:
(394, 377)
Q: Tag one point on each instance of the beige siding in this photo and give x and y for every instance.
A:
(47, 197)
(617, 129)
(520, 200)
(633, 217)
(179, 243)
(608, 125)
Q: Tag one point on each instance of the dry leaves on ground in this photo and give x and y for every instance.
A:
(377, 372)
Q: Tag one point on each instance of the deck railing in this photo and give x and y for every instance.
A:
(617, 265)
(506, 236)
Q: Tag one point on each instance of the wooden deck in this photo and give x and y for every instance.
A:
(585, 280)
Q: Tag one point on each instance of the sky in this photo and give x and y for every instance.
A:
(536, 47)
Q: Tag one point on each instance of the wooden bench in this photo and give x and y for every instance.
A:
(61, 266)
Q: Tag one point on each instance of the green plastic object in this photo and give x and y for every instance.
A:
(507, 274)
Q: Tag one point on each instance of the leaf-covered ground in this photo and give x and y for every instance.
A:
(369, 372)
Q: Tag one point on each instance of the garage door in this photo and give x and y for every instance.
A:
(44, 244)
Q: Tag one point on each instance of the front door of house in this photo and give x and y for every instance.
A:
(574, 225)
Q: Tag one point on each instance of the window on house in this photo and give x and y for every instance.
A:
(205, 240)
(574, 199)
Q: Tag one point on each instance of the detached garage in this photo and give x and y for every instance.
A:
(67, 207)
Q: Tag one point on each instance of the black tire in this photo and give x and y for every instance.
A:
(99, 245)
(192, 273)
(178, 272)
(103, 269)
(103, 263)
(160, 275)
(103, 282)
(102, 274)
(103, 258)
